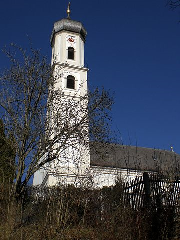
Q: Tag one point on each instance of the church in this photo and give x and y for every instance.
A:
(91, 164)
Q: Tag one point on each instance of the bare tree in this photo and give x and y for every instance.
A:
(173, 3)
(6, 157)
(41, 119)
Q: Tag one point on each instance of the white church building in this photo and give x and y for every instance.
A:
(94, 164)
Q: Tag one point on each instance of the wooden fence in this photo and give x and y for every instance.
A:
(152, 189)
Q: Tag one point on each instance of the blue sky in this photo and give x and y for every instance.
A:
(132, 48)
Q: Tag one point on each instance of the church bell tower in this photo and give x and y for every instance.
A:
(67, 116)
(70, 76)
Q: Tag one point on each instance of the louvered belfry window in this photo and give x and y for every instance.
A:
(71, 53)
(70, 82)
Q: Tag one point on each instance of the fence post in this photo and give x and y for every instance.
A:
(147, 189)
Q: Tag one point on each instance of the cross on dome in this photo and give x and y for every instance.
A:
(68, 10)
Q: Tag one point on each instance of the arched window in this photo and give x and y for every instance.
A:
(71, 53)
(70, 82)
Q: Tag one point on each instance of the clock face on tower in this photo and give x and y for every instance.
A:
(71, 41)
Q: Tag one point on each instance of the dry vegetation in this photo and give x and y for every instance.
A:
(75, 213)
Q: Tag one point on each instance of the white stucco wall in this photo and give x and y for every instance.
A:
(60, 48)
(107, 176)
(94, 177)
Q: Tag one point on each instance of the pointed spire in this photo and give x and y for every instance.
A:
(68, 11)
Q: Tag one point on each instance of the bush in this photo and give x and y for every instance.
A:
(75, 213)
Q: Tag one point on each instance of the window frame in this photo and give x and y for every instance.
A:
(71, 53)
(70, 82)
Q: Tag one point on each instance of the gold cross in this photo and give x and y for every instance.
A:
(68, 10)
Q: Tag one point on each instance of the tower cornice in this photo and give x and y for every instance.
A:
(74, 67)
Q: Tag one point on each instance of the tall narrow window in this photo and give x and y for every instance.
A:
(71, 53)
(70, 82)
